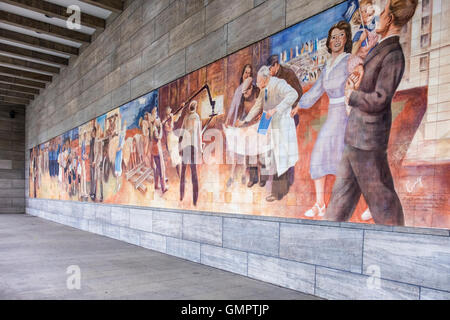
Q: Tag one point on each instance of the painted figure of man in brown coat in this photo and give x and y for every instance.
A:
(364, 166)
(286, 73)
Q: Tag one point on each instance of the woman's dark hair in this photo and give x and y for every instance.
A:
(243, 71)
(345, 26)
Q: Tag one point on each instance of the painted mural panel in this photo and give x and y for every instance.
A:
(330, 119)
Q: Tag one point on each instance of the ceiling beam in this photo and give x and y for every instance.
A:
(57, 11)
(26, 74)
(24, 82)
(33, 54)
(16, 94)
(9, 105)
(13, 100)
(39, 43)
(28, 64)
(111, 5)
(43, 27)
(12, 87)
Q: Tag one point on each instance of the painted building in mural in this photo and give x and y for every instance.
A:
(199, 143)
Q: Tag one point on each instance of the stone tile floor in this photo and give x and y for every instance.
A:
(35, 255)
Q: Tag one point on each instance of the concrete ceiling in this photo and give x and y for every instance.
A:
(35, 42)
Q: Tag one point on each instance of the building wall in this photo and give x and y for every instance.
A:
(12, 160)
(154, 42)
(430, 65)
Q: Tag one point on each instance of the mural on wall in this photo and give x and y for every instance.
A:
(320, 121)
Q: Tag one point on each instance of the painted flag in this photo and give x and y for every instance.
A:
(352, 6)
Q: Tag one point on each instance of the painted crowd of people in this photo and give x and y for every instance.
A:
(360, 77)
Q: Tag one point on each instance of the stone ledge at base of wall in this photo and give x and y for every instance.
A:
(326, 259)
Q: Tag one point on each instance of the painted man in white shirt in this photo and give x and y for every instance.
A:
(276, 99)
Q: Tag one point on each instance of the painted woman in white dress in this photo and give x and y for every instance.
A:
(328, 149)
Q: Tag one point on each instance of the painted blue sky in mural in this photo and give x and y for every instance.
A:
(309, 30)
(134, 110)
(72, 134)
(101, 121)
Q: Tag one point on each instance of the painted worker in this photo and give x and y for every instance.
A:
(286, 73)
(84, 157)
(191, 149)
(276, 99)
(156, 134)
(92, 163)
(98, 163)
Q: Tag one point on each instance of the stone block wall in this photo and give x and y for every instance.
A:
(328, 259)
(154, 42)
(12, 160)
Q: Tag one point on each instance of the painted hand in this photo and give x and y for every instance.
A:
(294, 112)
(270, 113)
(364, 51)
(354, 77)
(358, 76)
(348, 109)
(240, 123)
(364, 35)
(349, 88)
